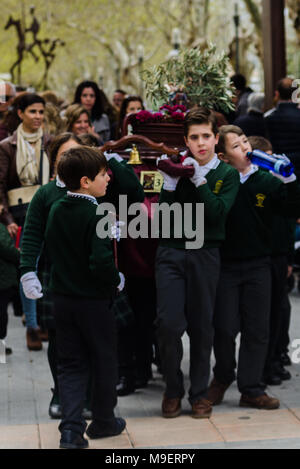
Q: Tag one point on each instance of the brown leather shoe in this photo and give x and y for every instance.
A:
(43, 335)
(261, 402)
(201, 409)
(33, 340)
(216, 391)
(171, 408)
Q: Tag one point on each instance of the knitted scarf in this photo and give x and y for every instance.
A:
(28, 158)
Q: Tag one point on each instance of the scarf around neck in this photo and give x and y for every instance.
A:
(28, 158)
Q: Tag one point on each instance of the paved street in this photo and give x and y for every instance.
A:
(25, 384)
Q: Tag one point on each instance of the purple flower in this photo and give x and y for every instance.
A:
(177, 116)
(144, 116)
(179, 107)
(157, 116)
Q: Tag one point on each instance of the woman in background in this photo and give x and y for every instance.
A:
(88, 95)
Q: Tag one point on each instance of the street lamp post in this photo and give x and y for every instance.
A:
(176, 43)
(236, 20)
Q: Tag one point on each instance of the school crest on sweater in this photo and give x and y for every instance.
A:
(260, 200)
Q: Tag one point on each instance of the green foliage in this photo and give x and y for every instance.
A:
(202, 76)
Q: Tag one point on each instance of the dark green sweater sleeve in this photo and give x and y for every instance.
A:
(219, 205)
(8, 252)
(33, 236)
(286, 199)
(126, 181)
(101, 261)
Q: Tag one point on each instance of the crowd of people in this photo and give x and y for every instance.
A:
(63, 279)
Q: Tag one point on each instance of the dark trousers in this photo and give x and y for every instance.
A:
(284, 338)
(186, 283)
(86, 339)
(136, 339)
(6, 296)
(279, 267)
(243, 305)
(142, 296)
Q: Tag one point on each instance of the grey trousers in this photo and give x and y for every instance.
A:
(186, 288)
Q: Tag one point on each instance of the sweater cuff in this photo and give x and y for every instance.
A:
(167, 197)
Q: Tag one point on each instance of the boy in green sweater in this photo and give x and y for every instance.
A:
(9, 263)
(83, 280)
(186, 273)
(244, 290)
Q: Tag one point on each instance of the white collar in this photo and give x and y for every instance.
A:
(77, 195)
(213, 163)
(244, 177)
(59, 182)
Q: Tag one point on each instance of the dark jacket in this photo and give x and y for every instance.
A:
(9, 261)
(283, 130)
(253, 124)
(4, 133)
(8, 171)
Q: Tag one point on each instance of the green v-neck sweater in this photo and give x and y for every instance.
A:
(82, 264)
(250, 221)
(217, 195)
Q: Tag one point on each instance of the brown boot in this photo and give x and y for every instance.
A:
(33, 340)
(201, 409)
(216, 391)
(171, 408)
(43, 335)
(261, 402)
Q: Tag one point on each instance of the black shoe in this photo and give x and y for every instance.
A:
(141, 383)
(125, 386)
(87, 414)
(285, 360)
(99, 430)
(55, 407)
(72, 440)
(284, 374)
(273, 380)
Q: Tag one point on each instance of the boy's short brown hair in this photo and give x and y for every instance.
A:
(200, 115)
(260, 143)
(223, 132)
(78, 162)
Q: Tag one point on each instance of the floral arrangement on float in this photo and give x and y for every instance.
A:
(193, 77)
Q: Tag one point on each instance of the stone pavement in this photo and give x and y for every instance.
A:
(25, 384)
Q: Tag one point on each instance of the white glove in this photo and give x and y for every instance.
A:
(198, 179)
(116, 230)
(282, 157)
(122, 282)
(31, 286)
(115, 156)
(170, 182)
(285, 180)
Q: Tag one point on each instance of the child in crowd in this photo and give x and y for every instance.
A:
(9, 262)
(83, 281)
(283, 230)
(244, 290)
(186, 276)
